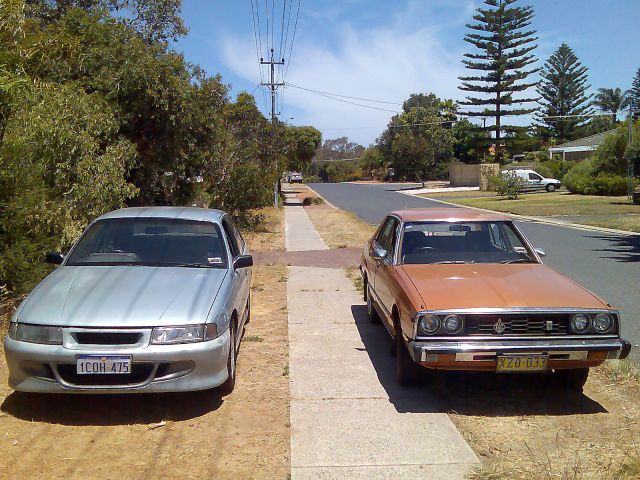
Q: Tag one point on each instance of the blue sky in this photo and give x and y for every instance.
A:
(385, 50)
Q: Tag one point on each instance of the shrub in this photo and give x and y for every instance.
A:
(508, 185)
(312, 179)
(583, 179)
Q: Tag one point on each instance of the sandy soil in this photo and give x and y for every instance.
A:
(196, 435)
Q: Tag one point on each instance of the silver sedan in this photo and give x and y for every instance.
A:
(148, 300)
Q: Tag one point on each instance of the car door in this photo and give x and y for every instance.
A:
(383, 277)
(534, 181)
(240, 277)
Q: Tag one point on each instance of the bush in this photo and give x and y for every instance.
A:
(508, 185)
(584, 180)
(312, 179)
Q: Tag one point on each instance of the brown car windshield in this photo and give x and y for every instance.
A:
(158, 242)
(463, 242)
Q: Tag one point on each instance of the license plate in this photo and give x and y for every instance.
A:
(522, 363)
(103, 364)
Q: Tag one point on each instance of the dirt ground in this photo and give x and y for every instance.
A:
(339, 229)
(196, 435)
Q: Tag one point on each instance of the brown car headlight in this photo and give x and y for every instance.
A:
(452, 324)
(602, 322)
(428, 324)
(580, 322)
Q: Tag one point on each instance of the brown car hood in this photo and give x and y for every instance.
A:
(445, 287)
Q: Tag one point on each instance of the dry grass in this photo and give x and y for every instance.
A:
(266, 235)
(353, 273)
(545, 434)
(339, 229)
(625, 215)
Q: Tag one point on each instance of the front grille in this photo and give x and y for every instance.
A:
(107, 338)
(517, 324)
(140, 372)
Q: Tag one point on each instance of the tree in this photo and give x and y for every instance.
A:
(418, 143)
(506, 47)
(339, 149)
(302, 144)
(633, 96)
(610, 100)
(563, 92)
(373, 162)
(470, 141)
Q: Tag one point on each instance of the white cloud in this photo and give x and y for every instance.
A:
(384, 63)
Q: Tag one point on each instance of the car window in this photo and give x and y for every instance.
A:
(534, 176)
(231, 238)
(160, 242)
(235, 232)
(384, 231)
(390, 239)
(463, 242)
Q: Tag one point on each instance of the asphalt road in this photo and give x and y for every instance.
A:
(608, 265)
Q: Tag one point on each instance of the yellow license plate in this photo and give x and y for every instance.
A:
(522, 363)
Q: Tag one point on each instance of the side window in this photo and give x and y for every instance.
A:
(390, 242)
(385, 231)
(237, 236)
(497, 236)
(533, 176)
(233, 242)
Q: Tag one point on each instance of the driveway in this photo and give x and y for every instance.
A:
(607, 264)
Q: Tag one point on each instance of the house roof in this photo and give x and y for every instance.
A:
(587, 143)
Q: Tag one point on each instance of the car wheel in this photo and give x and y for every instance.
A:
(230, 382)
(407, 371)
(551, 187)
(371, 309)
(248, 310)
(572, 379)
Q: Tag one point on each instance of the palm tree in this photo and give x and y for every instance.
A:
(611, 100)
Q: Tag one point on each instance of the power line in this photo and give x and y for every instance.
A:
(293, 39)
(284, 10)
(342, 96)
(256, 37)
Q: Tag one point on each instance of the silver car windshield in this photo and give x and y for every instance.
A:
(463, 242)
(158, 242)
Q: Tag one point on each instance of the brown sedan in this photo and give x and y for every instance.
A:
(460, 289)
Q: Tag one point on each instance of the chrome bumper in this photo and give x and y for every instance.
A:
(196, 366)
(616, 347)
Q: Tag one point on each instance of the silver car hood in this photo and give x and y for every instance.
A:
(123, 296)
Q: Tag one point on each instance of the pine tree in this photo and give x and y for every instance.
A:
(506, 49)
(633, 96)
(563, 91)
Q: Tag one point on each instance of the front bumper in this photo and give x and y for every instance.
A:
(160, 368)
(483, 354)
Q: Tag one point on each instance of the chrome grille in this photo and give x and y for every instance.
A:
(517, 324)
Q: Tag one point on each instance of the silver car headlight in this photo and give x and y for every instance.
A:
(428, 324)
(26, 332)
(173, 335)
(602, 322)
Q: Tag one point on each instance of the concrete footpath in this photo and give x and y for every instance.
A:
(349, 418)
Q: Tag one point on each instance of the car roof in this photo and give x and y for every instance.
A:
(181, 213)
(453, 214)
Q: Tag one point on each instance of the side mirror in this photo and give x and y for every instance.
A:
(379, 253)
(55, 258)
(243, 261)
(540, 252)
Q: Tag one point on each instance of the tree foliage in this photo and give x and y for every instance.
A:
(563, 92)
(633, 96)
(340, 148)
(610, 100)
(506, 44)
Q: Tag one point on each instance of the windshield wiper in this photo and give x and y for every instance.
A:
(518, 260)
(458, 262)
(189, 265)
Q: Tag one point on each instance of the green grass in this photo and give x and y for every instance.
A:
(557, 204)
(253, 338)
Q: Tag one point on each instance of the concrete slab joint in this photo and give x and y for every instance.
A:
(345, 419)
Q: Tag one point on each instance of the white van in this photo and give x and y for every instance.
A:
(533, 180)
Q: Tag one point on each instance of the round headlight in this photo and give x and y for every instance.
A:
(452, 324)
(602, 322)
(580, 323)
(429, 324)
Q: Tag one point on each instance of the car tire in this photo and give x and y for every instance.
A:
(230, 382)
(248, 310)
(550, 187)
(372, 313)
(407, 371)
(572, 379)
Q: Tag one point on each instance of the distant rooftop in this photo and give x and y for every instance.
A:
(591, 141)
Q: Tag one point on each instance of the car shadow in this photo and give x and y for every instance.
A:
(622, 248)
(110, 409)
(468, 393)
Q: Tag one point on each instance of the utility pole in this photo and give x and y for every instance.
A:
(273, 86)
(629, 162)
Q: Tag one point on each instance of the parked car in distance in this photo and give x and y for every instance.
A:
(533, 180)
(148, 300)
(295, 177)
(460, 289)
